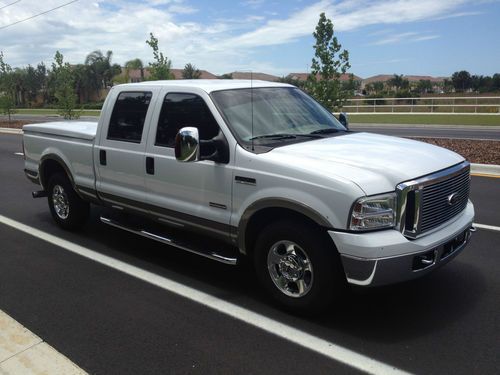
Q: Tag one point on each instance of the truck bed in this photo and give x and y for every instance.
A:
(70, 142)
(77, 129)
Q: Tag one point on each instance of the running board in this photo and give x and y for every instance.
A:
(169, 241)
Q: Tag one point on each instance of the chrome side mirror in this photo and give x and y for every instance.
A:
(344, 120)
(187, 145)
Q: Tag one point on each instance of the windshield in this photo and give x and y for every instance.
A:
(279, 114)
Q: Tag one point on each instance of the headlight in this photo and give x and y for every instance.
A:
(374, 212)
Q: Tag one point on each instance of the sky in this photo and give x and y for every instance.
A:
(418, 37)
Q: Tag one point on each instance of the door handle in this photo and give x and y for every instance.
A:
(150, 165)
(102, 157)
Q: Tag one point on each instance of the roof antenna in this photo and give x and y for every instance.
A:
(251, 101)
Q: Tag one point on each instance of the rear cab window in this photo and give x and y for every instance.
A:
(128, 116)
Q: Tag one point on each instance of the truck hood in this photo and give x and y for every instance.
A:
(376, 163)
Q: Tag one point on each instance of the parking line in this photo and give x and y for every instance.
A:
(274, 327)
(488, 227)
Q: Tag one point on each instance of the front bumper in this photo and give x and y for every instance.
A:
(387, 257)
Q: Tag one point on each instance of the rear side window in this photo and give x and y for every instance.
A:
(129, 114)
(180, 110)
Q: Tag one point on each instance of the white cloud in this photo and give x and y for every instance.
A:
(218, 45)
(408, 37)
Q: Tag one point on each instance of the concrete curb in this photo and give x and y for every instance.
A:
(23, 352)
(487, 170)
(11, 131)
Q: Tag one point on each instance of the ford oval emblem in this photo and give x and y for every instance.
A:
(453, 198)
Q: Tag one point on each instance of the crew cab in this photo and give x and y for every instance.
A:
(235, 169)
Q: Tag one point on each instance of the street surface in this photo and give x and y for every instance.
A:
(109, 322)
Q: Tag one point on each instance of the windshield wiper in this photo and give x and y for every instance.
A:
(285, 136)
(274, 136)
(325, 131)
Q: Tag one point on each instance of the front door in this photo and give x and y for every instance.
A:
(196, 194)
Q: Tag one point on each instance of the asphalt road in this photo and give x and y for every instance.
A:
(110, 323)
(434, 131)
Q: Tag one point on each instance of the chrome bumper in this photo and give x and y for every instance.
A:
(387, 257)
(383, 271)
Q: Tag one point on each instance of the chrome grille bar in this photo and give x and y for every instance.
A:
(429, 201)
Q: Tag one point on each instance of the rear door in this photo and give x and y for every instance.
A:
(119, 154)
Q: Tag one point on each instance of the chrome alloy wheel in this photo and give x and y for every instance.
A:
(290, 268)
(60, 201)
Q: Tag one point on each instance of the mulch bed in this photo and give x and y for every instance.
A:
(483, 152)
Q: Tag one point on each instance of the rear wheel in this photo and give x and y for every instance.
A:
(299, 267)
(66, 207)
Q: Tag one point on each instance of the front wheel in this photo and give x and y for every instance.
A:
(66, 207)
(299, 267)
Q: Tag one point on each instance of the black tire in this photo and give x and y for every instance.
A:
(62, 195)
(323, 280)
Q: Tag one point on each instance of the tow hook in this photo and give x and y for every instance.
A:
(39, 194)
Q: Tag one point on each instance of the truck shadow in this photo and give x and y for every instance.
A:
(384, 314)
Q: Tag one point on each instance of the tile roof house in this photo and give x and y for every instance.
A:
(135, 75)
(303, 76)
(254, 75)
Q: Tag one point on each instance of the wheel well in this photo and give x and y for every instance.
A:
(48, 168)
(264, 217)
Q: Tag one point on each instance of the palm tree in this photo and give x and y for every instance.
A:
(134, 64)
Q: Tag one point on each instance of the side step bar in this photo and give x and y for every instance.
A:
(160, 238)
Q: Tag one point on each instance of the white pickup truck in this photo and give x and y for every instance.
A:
(230, 169)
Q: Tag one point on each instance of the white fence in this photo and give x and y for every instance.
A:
(458, 105)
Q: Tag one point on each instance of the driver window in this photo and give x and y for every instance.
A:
(180, 110)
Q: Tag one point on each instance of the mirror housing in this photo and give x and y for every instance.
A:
(344, 120)
(187, 145)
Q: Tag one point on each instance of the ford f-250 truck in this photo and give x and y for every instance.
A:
(230, 169)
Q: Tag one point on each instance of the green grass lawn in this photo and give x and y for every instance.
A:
(491, 120)
(54, 112)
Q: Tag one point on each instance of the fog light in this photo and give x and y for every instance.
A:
(422, 261)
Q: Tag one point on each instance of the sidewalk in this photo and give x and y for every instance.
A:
(22, 352)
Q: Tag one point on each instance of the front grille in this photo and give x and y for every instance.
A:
(436, 209)
(428, 202)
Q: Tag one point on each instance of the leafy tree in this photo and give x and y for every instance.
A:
(7, 89)
(461, 81)
(292, 81)
(160, 68)
(190, 72)
(226, 76)
(424, 86)
(495, 82)
(65, 91)
(351, 85)
(481, 83)
(328, 63)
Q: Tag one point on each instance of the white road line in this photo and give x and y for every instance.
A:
(488, 227)
(289, 333)
(18, 153)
